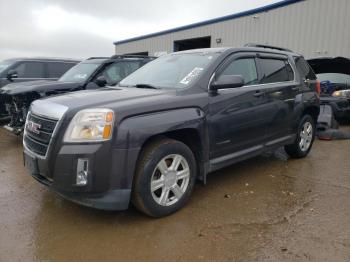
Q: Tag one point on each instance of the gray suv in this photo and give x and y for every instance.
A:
(170, 123)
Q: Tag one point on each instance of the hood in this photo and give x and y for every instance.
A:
(339, 65)
(41, 86)
(330, 99)
(106, 97)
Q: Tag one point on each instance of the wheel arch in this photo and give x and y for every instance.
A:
(190, 137)
(187, 125)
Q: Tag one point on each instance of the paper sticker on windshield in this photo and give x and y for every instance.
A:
(80, 76)
(192, 75)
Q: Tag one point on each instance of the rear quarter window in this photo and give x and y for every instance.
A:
(304, 68)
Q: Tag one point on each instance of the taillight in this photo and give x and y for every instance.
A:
(318, 87)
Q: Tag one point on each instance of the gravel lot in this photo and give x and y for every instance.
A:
(264, 209)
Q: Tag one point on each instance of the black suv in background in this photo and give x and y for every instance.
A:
(171, 122)
(334, 74)
(92, 73)
(28, 69)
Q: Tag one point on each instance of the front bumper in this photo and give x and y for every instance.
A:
(112, 200)
(109, 182)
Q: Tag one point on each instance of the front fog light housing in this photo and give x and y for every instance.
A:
(90, 125)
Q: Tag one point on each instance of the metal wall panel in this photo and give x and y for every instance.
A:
(311, 27)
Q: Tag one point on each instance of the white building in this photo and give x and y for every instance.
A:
(310, 27)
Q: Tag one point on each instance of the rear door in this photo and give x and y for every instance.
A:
(280, 89)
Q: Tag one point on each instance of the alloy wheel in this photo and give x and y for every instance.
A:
(306, 135)
(170, 180)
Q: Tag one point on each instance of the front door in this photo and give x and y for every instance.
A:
(29, 71)
(237, 116)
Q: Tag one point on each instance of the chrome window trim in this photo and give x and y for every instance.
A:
(257, 85)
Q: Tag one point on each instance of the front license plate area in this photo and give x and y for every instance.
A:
(31, 164)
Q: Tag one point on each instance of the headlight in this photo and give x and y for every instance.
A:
(342, 93)
(90, 125)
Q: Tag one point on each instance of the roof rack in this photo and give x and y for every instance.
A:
(97, 57)
(268, 46)
(130, 56)
(53, 59)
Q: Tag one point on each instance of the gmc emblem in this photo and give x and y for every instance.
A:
(33, 127)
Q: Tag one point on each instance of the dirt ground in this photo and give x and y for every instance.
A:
(265, 209)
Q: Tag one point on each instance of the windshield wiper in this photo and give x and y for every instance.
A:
(146, 86)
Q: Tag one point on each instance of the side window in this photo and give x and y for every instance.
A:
(304, 68)
(245, 67)
(57, 69)
(31, 70)
(275, 71)
(118, 71)
(20, 69)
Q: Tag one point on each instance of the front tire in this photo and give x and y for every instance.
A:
(305, 138)
(164, 178)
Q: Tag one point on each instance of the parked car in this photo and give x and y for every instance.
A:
(28, 69)
(90, 74)
(334, 74)
(171, 122)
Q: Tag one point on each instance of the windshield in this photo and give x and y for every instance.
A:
(172, 71)
(4, 65)
(79, 73)
(334, 78)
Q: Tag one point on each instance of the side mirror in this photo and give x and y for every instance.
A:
(12, 74)
(101, 81)
(227, 81)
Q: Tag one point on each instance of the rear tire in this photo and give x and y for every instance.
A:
(304, 140)
(164, 178)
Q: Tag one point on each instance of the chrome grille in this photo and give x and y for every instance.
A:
(38, 142)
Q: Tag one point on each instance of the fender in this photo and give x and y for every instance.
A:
(133, 132)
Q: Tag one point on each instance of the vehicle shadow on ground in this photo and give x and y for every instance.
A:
(239, 202)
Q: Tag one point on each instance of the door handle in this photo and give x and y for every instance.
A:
(259, 94)
(295, 88)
